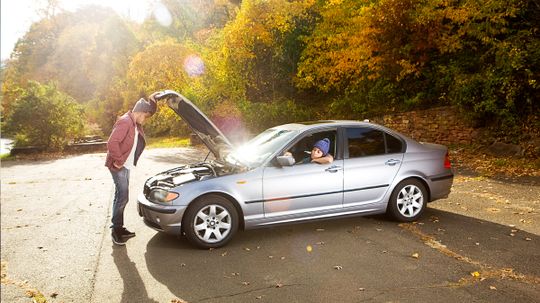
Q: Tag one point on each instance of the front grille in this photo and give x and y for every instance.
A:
(146, 190)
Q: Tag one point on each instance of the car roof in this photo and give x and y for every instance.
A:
(304, 126)
(322, 123)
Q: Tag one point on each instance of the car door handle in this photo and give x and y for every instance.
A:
(333, 168)
(392, 162)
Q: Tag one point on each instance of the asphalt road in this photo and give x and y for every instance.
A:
(482, 244)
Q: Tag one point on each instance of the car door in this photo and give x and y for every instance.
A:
(303, 189)
(372, 159)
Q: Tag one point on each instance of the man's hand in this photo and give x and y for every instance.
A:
(152, 97)
(117, 166)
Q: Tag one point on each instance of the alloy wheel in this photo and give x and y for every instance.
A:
(410, 201)
(212, 223)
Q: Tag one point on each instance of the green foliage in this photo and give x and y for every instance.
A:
(268, 62)
(259, 116)
(44, 116)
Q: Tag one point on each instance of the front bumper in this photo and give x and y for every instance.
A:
(164, 218)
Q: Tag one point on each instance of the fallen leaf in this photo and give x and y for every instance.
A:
(245, 283)
(282, 258)
(378, 229)
(258, 297)
(270, 257)
(247, 249)
(415, 255)
(528, 239)
(224, 254)
(320, 243)
(475, 274)
(338, 267)
(361, 289)
(492, 287)
(235, 273)
(279, 285)
(183, 265)
(19, 209)
(54, 295)
(384, 251)
(320, 229)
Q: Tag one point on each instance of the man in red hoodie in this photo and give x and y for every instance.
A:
(124, 147)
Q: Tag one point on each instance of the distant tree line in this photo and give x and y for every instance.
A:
(260, 63)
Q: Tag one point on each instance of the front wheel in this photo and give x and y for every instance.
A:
(408, 201)
(210, 222)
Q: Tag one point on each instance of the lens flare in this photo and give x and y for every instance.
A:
(162, 15)
(194, 66)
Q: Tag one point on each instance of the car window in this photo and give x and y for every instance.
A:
(254, 152)
(393, 144)
(363, 142)
(302, 149)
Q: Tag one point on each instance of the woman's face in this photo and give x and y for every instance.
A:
(316, 153)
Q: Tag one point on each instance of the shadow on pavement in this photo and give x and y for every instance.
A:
(134, 289)
(210, 275)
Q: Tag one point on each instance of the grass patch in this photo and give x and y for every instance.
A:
(166, 142)
(4, 157)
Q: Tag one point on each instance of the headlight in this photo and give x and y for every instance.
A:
(162, 195)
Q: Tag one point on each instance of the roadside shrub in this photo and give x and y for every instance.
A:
(44, 116)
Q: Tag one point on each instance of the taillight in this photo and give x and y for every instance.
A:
(447, 163)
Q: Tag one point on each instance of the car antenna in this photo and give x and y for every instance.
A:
(207, 156)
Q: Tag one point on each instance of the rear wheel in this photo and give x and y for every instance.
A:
(408, 201)
(210, 222)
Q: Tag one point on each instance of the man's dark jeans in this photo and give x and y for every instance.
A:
(121, 196)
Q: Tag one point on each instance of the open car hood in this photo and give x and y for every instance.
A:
(212, 137)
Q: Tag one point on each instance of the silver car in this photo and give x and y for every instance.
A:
(375, 170)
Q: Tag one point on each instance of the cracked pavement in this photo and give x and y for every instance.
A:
(482, 244)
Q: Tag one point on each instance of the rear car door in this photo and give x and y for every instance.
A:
(372, 159)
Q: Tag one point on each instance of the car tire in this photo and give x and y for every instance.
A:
(408, 201)
(210, 222)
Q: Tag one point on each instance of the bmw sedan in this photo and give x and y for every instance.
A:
(265, 181)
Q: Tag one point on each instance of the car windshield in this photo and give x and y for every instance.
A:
(254, 152)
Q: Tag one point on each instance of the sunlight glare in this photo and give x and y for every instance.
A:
(162, 15)
(194, 66)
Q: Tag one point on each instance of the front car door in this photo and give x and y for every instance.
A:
(304, 190)
(372, 159)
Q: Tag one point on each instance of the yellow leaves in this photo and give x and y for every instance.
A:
(160, 66)
(475, 274)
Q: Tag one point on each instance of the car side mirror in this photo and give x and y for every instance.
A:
(285, 160)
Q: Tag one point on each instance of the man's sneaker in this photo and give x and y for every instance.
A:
(117, 238)
(126, 233)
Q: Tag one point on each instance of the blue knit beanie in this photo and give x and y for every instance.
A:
(323, 145)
